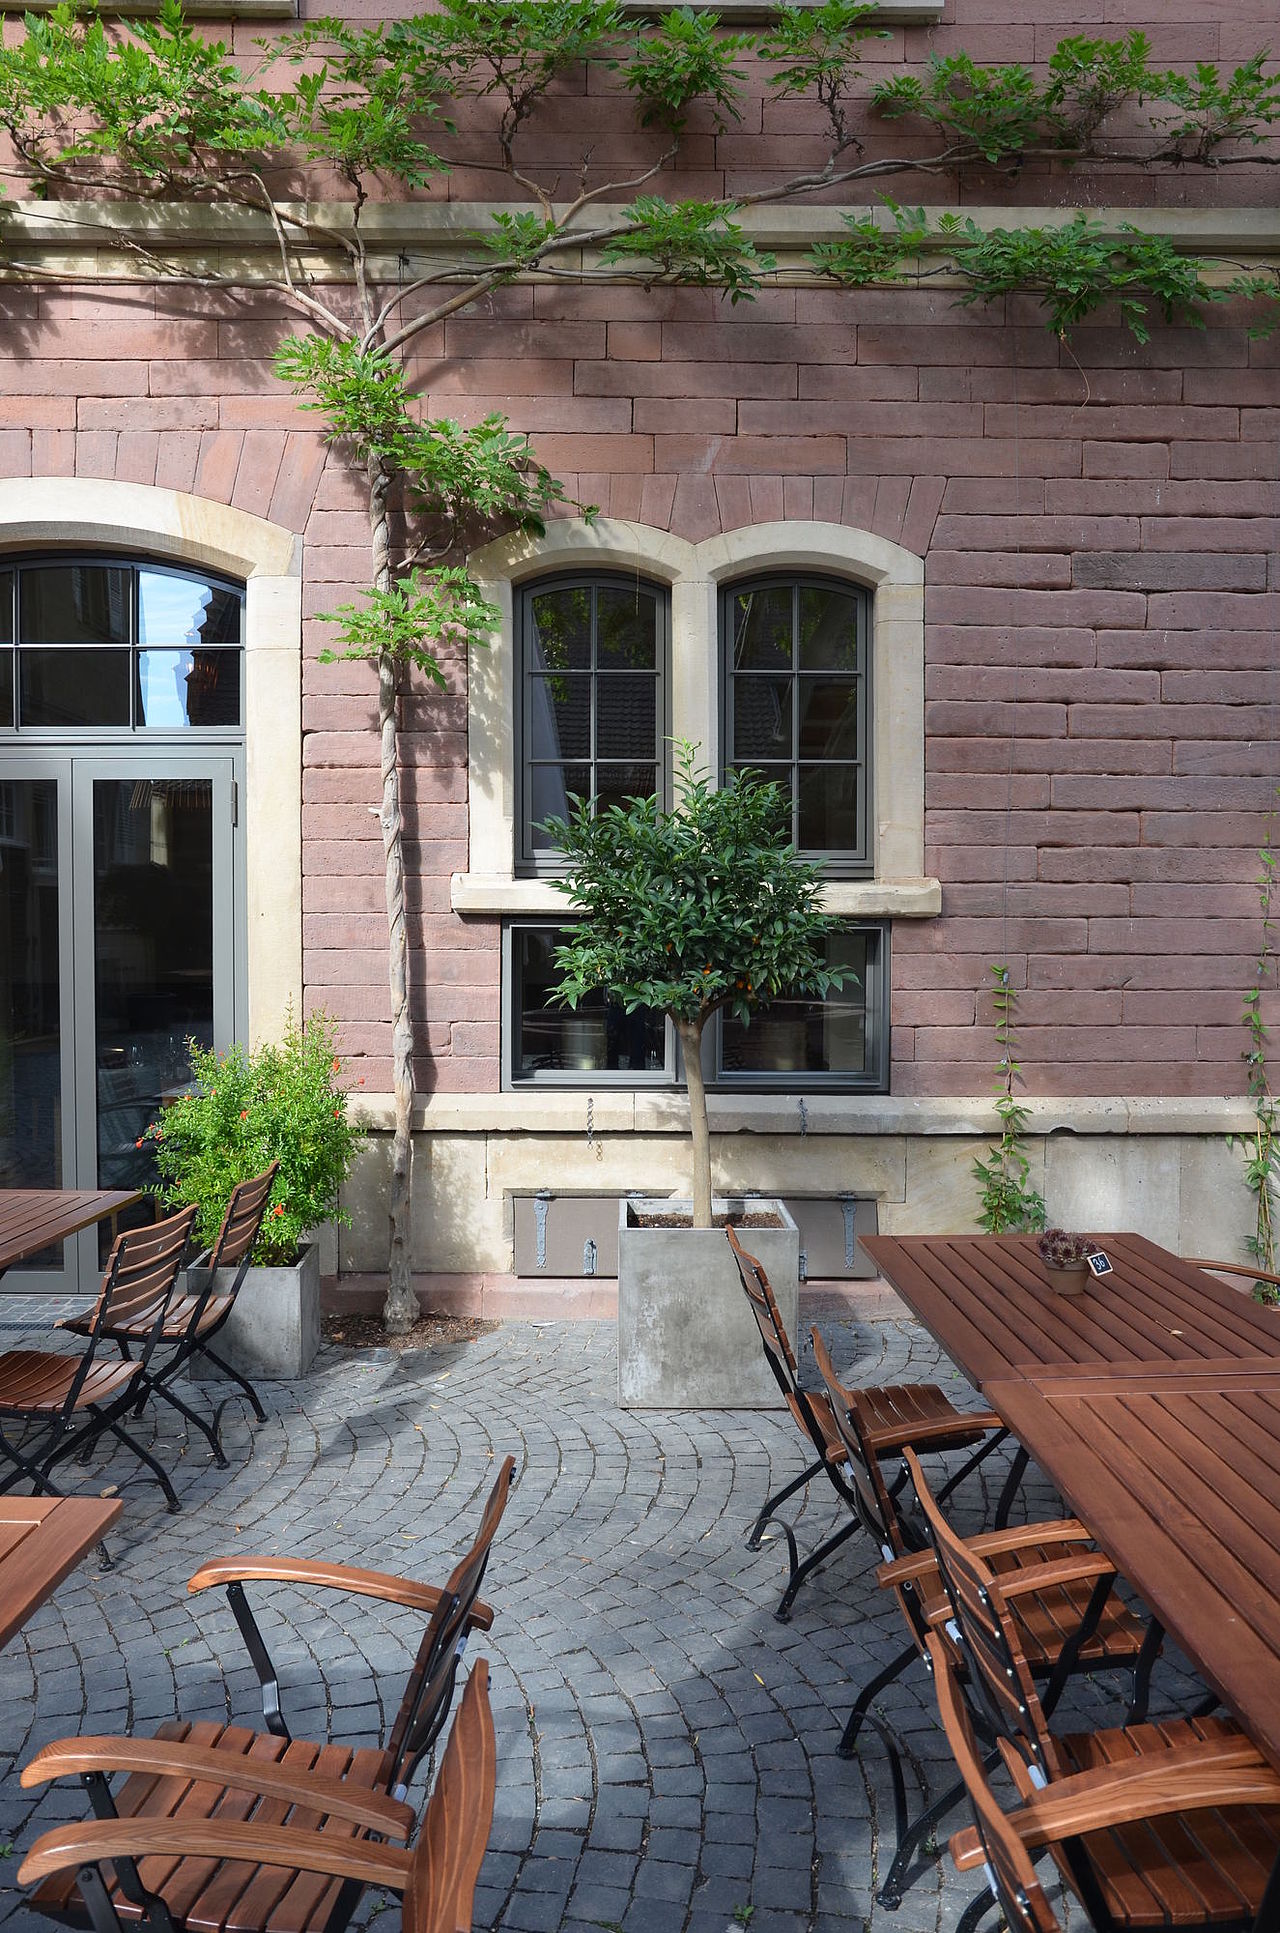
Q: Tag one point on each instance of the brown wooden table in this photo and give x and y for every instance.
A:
(985, 1299)
(41, 1539)
(1178, 1478)
(33, 1218)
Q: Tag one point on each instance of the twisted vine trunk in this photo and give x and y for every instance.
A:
(690, 1032)
(400, 1310)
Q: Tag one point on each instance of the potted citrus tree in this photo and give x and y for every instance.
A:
(285, 1102)
(703, 908)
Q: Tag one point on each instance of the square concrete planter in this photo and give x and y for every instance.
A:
(686, 1336)
(274, 1329)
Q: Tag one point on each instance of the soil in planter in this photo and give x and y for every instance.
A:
(764, 1220)
(428, 1332)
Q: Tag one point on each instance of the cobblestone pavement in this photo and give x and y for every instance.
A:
(666, 1748)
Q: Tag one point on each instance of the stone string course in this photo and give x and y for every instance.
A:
(666, 1750)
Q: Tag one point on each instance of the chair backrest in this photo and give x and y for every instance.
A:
(240, 1224)
(865, 1477)
(139, 1279)
(779, 1353)
(429, 1692)
(1000, 1681)
(1009, 1869)
(455, 1831)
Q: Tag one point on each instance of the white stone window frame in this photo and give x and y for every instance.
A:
(171, 526)
(694, 575)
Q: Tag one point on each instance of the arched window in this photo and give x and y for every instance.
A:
(594, 710)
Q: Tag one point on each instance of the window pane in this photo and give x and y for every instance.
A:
(828, 629)
(810, 1036)
(549, 789)
(30, 1013)
(181, 610)
(6, 607)
(560, 630)
(74, 604)
(597, 1037)
(626, 716)
(6, 687)
(626, 628)
(762, 718)
(615, 784)
(828, 718)
(71, 687)
(560, 717)
(828, 808)
(762, 630)
(177, 688)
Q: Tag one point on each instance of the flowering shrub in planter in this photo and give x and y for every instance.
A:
(283, 1102)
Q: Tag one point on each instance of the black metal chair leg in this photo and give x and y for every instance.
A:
(1145, 1665)
(810, 1564)
(890, 1893)
(861, 1714)
(769, 1507)
(236, 1377)
(896, 1779)
(144, 1456)
(207, 1430)
(975, 1912)
(1017, 1470)
(972, 1463)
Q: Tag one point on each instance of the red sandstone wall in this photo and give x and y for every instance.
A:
(1099, 525)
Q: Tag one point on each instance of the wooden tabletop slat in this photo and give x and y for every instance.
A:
(34, 1218)
(55, 1534)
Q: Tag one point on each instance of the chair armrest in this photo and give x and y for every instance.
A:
(1049, 1577)
(989, 1543)
(1203, 1776)
(268, 1778)
(91, 1840)
(897, 1571)
(334, 1577)
(966, 1850)
(1250, 1273)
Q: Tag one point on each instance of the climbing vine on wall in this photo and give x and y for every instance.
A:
(1259, 1146)
(1009, 1205)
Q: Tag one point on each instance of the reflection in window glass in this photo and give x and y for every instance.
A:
(73, 687)
(594, 706)
(597, 1037)
(177, 688)
(6, 688)
(182, 610)
(6, 607)
(74, 604)
(832, 1037)
(30, 1016)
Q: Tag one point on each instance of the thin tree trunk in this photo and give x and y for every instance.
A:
(400, 1310)
(690, 1032)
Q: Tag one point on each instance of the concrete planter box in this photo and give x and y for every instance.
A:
(274, 1329)
(686, 1336)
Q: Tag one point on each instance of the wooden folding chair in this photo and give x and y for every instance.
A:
(69, 1402)
(1051, 1615)
(305, 1852)
(1109, 1804)
(203, 1774)
(1185, 1835)
(193, 1320)
(902, 1412)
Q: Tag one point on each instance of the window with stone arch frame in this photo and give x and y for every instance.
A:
(593, 698)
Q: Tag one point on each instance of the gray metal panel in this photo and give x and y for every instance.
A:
(553, 1233)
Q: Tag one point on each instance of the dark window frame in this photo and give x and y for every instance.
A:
(136, 563)
(839, 862)
(838, 1081)
(531, 863)
(671, 1075)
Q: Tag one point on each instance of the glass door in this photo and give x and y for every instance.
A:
(141, 915)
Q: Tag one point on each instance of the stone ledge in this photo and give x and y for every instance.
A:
(501, 893)
(628, 1110)
(514, 1298)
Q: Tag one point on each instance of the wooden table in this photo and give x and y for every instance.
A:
(41, 1539)
(1175, 1468)
(985, 1299)
(33, 1218)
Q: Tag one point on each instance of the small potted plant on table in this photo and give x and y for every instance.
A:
(283, 1102)
(688, 912)
(1066, 1258)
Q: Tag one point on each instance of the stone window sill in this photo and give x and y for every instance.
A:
(495, 893)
